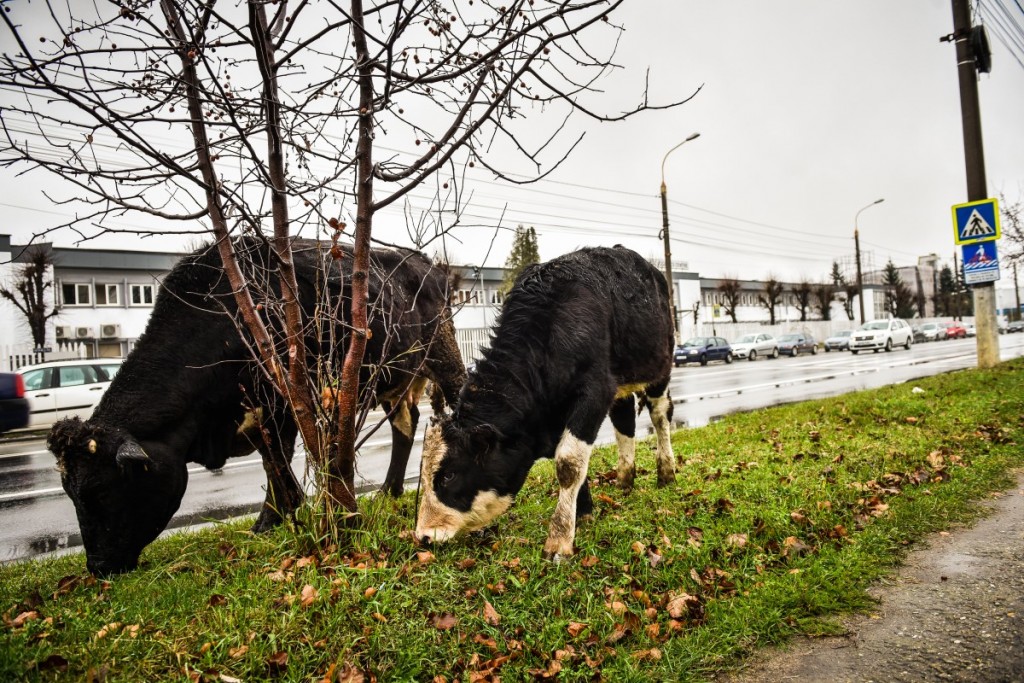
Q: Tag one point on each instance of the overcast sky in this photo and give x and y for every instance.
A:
(810, 110)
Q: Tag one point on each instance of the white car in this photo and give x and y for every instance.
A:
(750, 346)
(66, 388)
(876, 335)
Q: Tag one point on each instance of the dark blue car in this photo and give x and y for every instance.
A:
(13, 404)
(701, 350)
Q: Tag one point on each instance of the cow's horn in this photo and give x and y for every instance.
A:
(131, 452)
(92, 446)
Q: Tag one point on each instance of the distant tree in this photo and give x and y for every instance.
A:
(899, 300)
(27, 290)
(802, 292)
(730, 289)
(1013, 230)
(947, 292)
(920, 300)
(524, 252)
(838, 278)
(848, 291)
(824, 293)
(772, 296)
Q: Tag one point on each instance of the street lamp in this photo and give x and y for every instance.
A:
(664, 236)
(856, 246)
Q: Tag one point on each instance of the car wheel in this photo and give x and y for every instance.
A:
(753, 355)
(703, 359)
(814, 350)
(678, 365)
(888, 345)
(907, 345)
(775, 352)
(728, 358)
(854, 351)
(827, 349)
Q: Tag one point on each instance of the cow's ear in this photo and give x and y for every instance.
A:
(131, 453)
(483, 438)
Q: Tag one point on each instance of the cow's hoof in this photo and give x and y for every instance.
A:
(666, 480)
(555, 558)
(584, 519)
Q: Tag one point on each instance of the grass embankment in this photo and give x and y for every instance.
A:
(779, 518)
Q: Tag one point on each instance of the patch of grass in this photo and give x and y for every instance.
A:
(779, 519)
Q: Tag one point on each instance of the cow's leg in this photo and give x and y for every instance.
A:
(403, 431)
(572, 458)
(404, 419)
(660, 408)
(623, 416)
(284, 494)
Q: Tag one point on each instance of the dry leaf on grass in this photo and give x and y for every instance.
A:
(491, 615)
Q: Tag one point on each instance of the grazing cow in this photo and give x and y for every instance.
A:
(190, 391)
(577, 338)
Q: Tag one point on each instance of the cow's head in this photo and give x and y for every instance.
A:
(464, 486)
(122, 496)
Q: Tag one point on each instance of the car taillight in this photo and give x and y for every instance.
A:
(19, 386)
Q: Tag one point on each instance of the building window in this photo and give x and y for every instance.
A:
(107, 295)
(141, 295)
(75, 294)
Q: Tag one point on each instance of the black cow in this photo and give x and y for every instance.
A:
(190, 390)
(576, 339)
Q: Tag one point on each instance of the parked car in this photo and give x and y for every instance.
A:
(1016, 326)
(954, 330)
(876, 335)
(66, 388)
(840, 341)
(972, 331)
(703, 349)
(933, 331)
(797, 343)
(750, 346)
(917, 334)
(13, 404)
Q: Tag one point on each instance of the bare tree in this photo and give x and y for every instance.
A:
(730, 289)
(27, 290)
(772, 296)
(824, 294)
(802, 292)
(263, 118)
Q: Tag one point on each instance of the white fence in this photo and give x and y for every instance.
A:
(471, 341)
(19, 355)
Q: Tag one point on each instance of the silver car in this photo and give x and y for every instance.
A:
(876, 335)
(66, 388)
(750, 346)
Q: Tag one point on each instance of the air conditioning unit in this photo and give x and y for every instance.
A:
(110, 331)
(84, 333)
(65, 332)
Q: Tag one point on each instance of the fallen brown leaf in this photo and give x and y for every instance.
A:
(443, 622)
(308, 596)
(110, 628)
(575, 628)
(238, 652)
(736, 540)
(217, 600)
(278, 662)
(491, 615)
(589, 561)
(467, 563)
(350, 674)
(24, 618)
(425, 557)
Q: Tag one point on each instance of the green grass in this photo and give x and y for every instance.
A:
(779, 520)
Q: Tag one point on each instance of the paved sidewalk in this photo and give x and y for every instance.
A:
(953, 612)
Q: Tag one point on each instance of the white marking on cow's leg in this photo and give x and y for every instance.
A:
(659, 408)
(626, 471)
(572, 457)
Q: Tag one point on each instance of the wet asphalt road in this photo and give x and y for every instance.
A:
(38, 518)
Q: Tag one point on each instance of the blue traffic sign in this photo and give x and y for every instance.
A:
(981, 262)
(976, 221)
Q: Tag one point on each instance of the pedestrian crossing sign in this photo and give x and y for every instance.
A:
(976, 221)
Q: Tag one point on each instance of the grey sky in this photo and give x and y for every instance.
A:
(810, 110)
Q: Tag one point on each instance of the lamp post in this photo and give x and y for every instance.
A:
(856, 246)
(664, 236)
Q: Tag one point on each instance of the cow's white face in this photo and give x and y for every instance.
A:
(455, 496)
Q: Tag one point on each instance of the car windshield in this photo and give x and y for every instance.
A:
(928, 326)
(789, 337)
(695, 341)
(746, 339)
(876, 325)
(844, 333)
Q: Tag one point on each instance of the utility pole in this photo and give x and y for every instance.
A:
(977, 186)
(1016, 290)
(856, 247)
(664, 236)
(958, 279)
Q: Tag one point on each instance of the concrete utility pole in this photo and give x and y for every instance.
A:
(1016, 290)
(977, 186)
(856, 247)
(664, 236)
